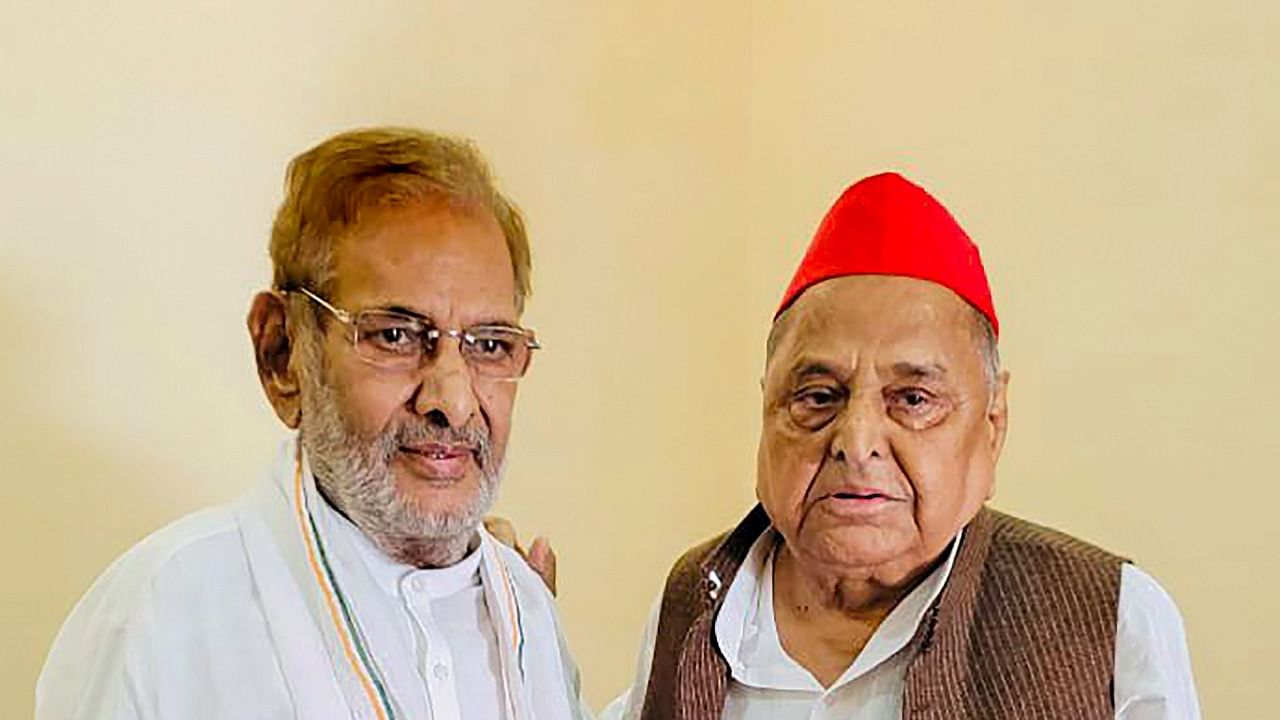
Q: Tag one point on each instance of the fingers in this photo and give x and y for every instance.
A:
(502, 530)
(543, 560)
(540, 556)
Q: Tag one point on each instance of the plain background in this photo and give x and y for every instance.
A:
(1115, 161)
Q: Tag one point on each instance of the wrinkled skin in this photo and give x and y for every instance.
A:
(881, 431)
(450, 264)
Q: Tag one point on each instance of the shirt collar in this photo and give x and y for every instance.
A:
(747, 632)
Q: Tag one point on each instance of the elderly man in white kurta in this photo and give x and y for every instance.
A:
(871, 581)
(355, 580)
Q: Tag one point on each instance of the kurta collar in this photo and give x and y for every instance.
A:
(395, 577)
(361, 627)
(747, 635)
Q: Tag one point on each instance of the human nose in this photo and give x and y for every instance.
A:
(860, 430)
(445, 391)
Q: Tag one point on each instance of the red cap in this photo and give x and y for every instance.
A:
(887, 225)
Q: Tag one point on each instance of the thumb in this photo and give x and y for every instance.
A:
(543, 560)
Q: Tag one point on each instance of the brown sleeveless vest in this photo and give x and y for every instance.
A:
(1024, 628)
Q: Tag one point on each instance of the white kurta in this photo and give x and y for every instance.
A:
(1152, 669)
(278, 607)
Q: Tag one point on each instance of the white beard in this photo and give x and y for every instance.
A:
(355, 476)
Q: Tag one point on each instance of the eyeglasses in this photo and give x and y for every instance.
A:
(398, 341)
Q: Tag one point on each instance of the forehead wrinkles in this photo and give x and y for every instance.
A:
(878, 342)
(845, 335)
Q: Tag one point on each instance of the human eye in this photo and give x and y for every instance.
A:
(386, 333)
(916, 406)
(817, 397)
(813, 406)
(492, 344)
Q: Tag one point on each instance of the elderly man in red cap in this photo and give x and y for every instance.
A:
(872, 581)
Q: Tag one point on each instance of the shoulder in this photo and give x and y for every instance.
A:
(696, 555)
(1152, 662)
(686, 571)
(1043, 549)
(1147, 613)
(1062, 587)
(175, 576)
(721, 556)
(1044, 574)
(192, 533)
(200, 547)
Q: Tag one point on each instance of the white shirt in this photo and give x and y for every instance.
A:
(1152, 669)
(444, 611)
(277, 607)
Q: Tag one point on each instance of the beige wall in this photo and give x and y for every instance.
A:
(1116, 161)
(1119, 165)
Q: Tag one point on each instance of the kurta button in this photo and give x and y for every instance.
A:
(441, 671)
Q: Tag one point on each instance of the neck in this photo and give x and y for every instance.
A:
(425, 553)
(831, 591)
(826, 618)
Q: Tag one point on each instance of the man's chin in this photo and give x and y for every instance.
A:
(857, 546)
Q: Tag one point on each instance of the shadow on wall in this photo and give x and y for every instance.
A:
(72, 504)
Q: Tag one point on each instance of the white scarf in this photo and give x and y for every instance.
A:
(330, 625)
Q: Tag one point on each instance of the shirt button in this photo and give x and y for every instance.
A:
(441, 671)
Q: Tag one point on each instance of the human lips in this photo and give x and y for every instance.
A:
(859, 500)
(439, 461)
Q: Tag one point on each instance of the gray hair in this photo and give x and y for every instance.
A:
(988, 347)
(330, 186)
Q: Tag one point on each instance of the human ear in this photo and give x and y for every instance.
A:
(272, 348)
